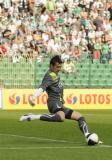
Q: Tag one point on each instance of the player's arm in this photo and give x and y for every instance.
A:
(38, 93)
(47, 81)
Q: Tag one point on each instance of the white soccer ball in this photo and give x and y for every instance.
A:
(93, 139)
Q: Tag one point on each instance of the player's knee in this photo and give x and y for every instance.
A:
(76, 116)
(62, 116)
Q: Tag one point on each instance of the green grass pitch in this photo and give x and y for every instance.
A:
(38, 140)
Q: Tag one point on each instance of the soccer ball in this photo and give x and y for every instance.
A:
(92, 139)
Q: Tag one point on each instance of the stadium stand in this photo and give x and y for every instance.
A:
(33, 31)
(26, 75)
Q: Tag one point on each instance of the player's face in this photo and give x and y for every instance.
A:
(56, 67)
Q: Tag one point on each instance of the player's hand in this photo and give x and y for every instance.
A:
(31, 103)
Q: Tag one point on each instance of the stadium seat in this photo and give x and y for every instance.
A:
(27, 75)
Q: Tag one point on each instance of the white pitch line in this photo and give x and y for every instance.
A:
(38, 138)
(52, 147)
(52, 140)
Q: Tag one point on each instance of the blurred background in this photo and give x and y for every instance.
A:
(32, 31)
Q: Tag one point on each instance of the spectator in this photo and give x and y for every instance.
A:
(69, 67)
(50, 5)
(58, 26)
(110, 53)
(3, 50)
(110, 11)
(76, 53)
(105, 52)
(97, 50)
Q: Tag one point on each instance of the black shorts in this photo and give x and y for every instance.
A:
(55, 106)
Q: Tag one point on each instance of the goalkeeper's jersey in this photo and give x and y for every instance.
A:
(52, 85)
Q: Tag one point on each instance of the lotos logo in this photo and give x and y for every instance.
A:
(24, 99)
(14, 99)
(71, 99)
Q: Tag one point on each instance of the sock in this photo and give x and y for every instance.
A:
(33, 117)
(83, 126)
(50, 117)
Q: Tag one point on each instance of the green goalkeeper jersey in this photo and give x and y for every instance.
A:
(52, 85)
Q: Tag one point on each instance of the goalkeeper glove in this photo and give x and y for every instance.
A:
(31, 103)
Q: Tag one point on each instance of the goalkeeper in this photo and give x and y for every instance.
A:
(58, 112)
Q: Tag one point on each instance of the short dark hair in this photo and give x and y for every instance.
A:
(55, 59)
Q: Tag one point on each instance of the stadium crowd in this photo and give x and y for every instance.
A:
(77, 29)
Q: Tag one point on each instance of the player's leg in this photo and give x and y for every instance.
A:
(57, 117)
(57, 114)
(81, 121)
(73, 115)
